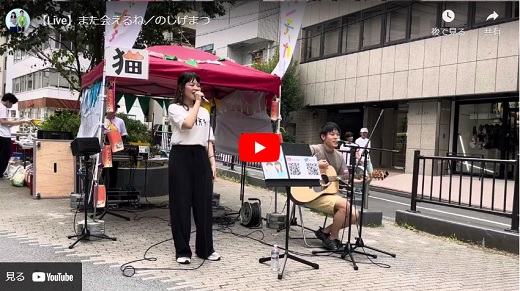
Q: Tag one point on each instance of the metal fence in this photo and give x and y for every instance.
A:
(486, 185)
(231, 161)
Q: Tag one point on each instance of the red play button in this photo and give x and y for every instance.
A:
(259, 147)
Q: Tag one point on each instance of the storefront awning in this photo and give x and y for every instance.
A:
(46, 102)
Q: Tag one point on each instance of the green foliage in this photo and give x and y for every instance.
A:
(287, 137)
(291, 99)
(67, 120)
(137, 131)
(83, 39)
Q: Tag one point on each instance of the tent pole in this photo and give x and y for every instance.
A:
(278, 132)
(102, 99)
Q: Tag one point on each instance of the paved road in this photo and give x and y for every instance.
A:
(95, 277)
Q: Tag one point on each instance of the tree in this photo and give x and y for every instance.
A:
(86, 40)
(291, 99)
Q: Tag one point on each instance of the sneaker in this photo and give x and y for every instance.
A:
(333, 244)
(213, 257)
(183, 260)
(321, 235)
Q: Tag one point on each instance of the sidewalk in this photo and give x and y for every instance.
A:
(440, 187)
(423, 262)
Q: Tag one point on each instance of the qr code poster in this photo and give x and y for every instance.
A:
(275, 170)
(303, 167)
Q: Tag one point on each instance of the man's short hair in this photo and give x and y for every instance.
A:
(348, 134)
(329, 127)
(10, 97)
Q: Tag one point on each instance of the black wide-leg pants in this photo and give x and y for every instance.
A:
(191, 186)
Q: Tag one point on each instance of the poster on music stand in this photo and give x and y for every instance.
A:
(303, 167)
(276, 169)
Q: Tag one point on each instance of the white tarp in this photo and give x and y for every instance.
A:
(239, 112)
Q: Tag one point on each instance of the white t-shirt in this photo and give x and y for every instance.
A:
(5, 131)
(346, 154)
(199, 134)
(119, 124)
(362, 142)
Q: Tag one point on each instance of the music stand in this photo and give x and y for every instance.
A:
(85, 147)
(293, 150)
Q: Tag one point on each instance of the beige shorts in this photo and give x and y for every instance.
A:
(324, 203)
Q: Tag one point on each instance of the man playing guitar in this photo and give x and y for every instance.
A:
(334, 204)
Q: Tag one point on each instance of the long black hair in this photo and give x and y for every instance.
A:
(183, 79)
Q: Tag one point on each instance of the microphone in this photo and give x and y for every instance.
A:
(204, 98)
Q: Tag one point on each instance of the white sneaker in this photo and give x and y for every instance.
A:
(183, 260)
(214, 257)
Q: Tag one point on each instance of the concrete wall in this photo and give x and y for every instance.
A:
(440, 66)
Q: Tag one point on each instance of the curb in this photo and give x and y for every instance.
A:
(489, 238)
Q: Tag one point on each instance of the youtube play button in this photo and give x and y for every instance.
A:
(259, 147)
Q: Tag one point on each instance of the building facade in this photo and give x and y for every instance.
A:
(444, 88)
(247, 33)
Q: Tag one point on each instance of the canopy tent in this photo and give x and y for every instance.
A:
(241, 94)
(218, 75)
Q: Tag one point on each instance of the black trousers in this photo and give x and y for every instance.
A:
(110, 176)
(5, 153)
(191, 186)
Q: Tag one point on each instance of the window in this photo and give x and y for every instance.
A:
(372, 27)
(23, 84)
(63, 83)
(331, 35)
(461, 14)
(17, 56)
(53, 79)
(424, 18)
(45, 78)
(16, 85)
(38, 80)
(484, 9)
(350, 34)
(30, 82)
(313, 42)
(396, 22)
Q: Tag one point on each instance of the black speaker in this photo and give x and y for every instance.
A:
(85, 146)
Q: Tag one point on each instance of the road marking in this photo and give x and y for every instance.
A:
(444, 212)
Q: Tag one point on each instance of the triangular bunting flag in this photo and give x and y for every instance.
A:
(145, 104)
(129, 101)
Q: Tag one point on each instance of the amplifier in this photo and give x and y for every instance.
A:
(120, 197)
(85, 146)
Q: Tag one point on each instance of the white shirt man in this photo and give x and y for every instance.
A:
(363, 142)
(346, 147)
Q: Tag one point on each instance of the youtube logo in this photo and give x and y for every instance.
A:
(259, 147)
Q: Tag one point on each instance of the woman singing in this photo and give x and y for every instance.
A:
(192, 171)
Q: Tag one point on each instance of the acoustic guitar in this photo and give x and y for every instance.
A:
(329, 185)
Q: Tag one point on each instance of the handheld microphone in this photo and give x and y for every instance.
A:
(204, 98)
